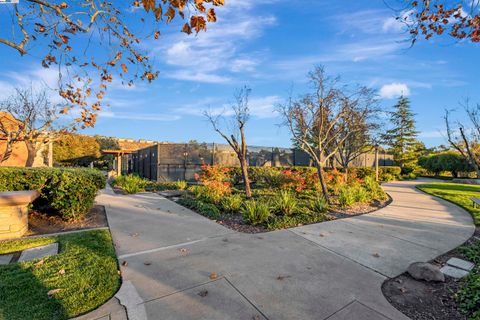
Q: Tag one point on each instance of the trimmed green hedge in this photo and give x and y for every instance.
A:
(68, 192)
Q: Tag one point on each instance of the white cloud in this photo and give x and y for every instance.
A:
(394, 90)
(392, 24)
(211, 56)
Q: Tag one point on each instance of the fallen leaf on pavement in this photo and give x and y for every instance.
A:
(124, 263)
(376, 255)
(283, 277)
(183, 250)
(213, 275)
(147, 263)
(203, 293)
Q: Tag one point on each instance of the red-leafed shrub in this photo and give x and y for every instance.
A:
(215, 179)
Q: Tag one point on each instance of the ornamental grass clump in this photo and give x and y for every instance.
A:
(347, 197)
(285, 203)
(232, 203)
(256, 212)
(319, 204)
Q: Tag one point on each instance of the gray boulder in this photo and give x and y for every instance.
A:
(426, 271)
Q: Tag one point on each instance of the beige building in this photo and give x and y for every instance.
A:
(19, 154)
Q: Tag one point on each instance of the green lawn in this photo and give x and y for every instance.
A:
(459, 194)
(85, 271)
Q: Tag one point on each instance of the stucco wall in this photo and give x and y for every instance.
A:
(18, 157)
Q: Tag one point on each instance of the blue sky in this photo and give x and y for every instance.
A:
(270, 45)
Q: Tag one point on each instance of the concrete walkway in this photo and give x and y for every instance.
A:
(179, 265)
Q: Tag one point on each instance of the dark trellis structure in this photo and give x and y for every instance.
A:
(175, 161)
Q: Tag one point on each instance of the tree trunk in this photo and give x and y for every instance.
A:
(246, 179)
(322, 182)
(8, 151)
(32, 152)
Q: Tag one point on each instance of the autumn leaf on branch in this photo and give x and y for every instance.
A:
(62, 33)
(428, 18)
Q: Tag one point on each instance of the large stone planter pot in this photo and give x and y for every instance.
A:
(14, 213)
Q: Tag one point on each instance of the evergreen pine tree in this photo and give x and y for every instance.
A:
(402, 138)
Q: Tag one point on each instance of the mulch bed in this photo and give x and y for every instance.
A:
(41, 223)
(236, 222)
(340, 213)
(422, 300)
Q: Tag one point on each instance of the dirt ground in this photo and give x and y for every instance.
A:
(422, 300)
(42, 223)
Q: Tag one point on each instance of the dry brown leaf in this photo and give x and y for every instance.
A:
(53, 292)
(213, 275)
(203, 293)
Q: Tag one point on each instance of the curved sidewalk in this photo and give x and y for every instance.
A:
(180, 265)
(414, 227)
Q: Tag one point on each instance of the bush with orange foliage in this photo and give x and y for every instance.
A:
(215, 179)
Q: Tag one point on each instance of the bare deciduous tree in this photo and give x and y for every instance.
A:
(361, 119)
(27, 116)
(235, 135)
(466, 140)
(319, 121)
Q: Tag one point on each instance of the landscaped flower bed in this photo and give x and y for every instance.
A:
(282, 198)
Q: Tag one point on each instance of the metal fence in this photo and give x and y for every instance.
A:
(172, 162)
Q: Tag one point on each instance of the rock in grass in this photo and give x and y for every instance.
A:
(425, 271)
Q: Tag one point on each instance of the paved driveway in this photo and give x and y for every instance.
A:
(179, 265)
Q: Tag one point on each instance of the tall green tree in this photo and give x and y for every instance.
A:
(402, 137)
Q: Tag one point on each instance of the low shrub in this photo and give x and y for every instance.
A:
(393, 170)
(216, 181)
(208, 210)
(335, 181)
(362, 195)
(131, 183)
(207, 194)
(469, 295)
(319, 204)
(363, 172)
(409, 176)
(373, 188)
(67, 192)
(347, 196)
(232, 203)
(285, 203)
(387, 177)
(256, 212)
